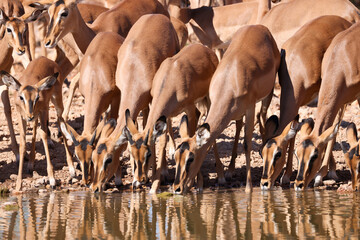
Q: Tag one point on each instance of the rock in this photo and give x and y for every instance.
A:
(65, 190)
(13, 177)
(74, 180)
(35, 175)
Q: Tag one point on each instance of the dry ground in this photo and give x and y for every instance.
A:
(38, 179)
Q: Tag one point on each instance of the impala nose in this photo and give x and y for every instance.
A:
(21, 51)
(48, 44)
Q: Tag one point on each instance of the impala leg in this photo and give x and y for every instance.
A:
(57, 101)
(262, 115)
(7, 111)
(171, 139)
(218, 165)
(163, 164)
(200, 182)
(328, 157)
(118, 176)
(44, 138)
(73, 86)
(115, 104)
(285, 179)
(249, 128)
(231, 169)
(22, 153)
(30, 166)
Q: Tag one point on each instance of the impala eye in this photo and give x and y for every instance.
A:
(64, 14)
(8, 30)
(21, 98)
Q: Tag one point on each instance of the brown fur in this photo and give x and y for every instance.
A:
(97, 85)
(286, 18)
(231, 93)
(134, 75)
(300, 78)
(339, 86)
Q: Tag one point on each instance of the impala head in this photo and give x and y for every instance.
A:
(352, 156)
(13, 8)
(309, 152)
(274, 150)
(85, 145)
(16, 29)
(185, 152)
(104, 157)
(140, 146)
(62, 20)
(28, 96)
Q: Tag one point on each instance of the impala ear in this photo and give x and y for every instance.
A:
(351, 135)
(33, 16)
(124, 137)
(307, 127)
(130, 123)
(329, 134)
(202, 135)
(3, 17)
(291, 129)
(40, 6)
(184, 127)
(271, 125)
(159, 127)
(69, 133)
(48, 82)
(10, 81)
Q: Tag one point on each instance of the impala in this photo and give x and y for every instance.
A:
(286, 18)
(352, 156)
(148, 44)
(238, 83)
(97, 85)
(340, 85)
(181, 81)
(40, 83)
(300, 79)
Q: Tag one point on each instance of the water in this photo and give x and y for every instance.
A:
(280, 214)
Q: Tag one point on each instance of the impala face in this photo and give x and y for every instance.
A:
(27, 97)
(352, 156)
(17, 34)
(140, 146)
(309, 153)
(61, 14)
(185, 153)
(274, 150)
(84, 146)
(17, 30)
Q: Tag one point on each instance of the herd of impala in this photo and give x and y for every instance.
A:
(134, 58)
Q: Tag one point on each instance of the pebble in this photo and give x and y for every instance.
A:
(35, 175)
(74, 180)
(13, 177)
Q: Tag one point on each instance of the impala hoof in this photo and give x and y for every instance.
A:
(318, 181)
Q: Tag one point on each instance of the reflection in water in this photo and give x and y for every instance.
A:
(211, 215)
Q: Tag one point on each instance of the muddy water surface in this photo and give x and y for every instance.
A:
(210, 215)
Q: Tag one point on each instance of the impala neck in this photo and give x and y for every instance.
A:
(83, 35)
(263, 8)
